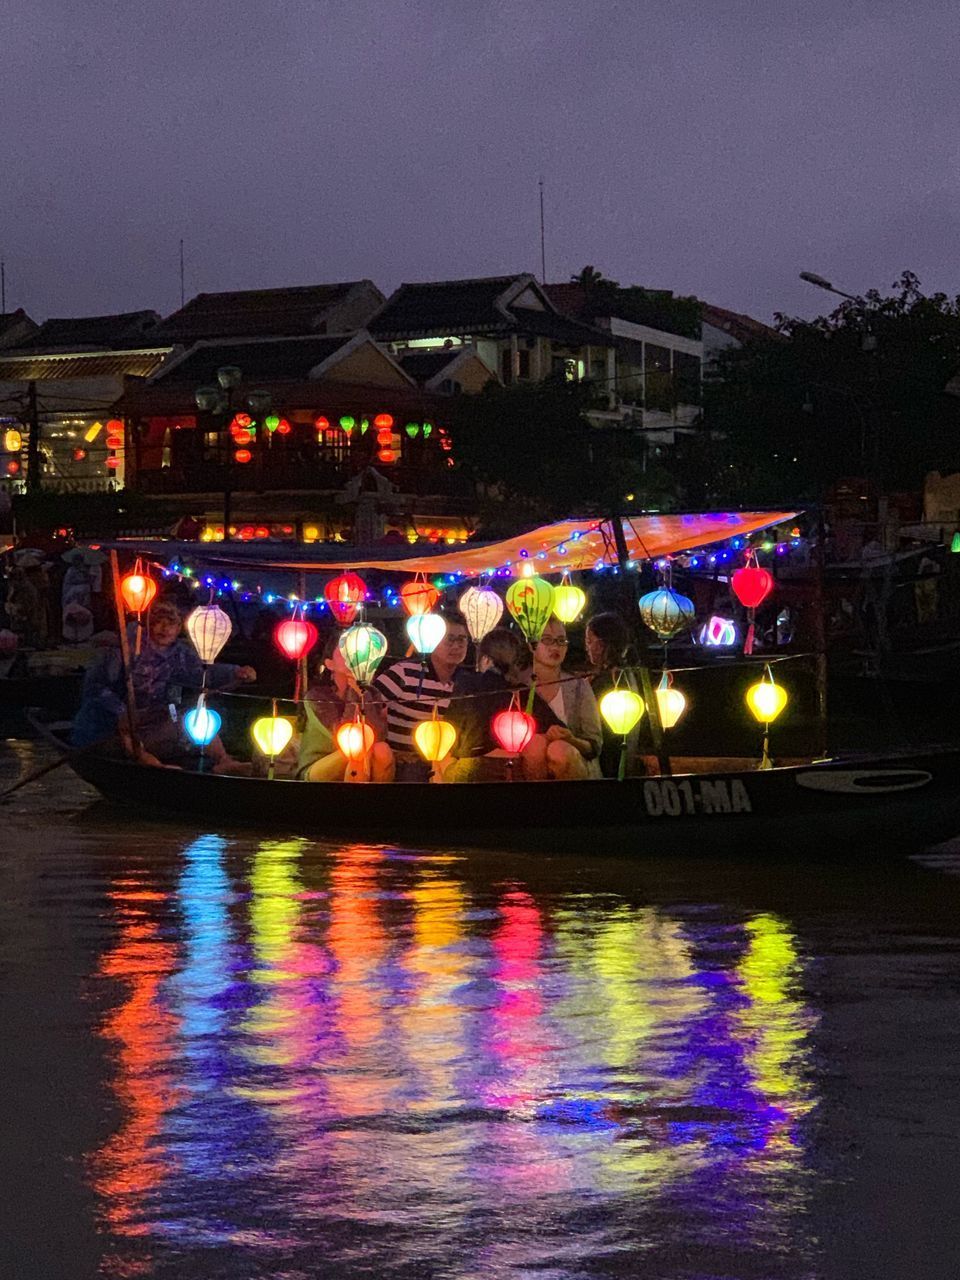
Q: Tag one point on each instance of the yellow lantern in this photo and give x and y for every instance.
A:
(671, 702)
(765, 699)
(12, 440)
(434, 739)
(354, 739)
(272, 734)
(622, 709)
(568, 602)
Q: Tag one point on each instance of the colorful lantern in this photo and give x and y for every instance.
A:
(12, 440)
(363, 648)
(482, 609)
(718, 633)
(242, 456)
(670, 701)
(765, 699)
(412, 429)
(271, 422)
(530, 601)
(513, 728)
(272, 734)
(568, 602)
(347, 423)
(355, 739)
(434, 739)
(202, 724)
(283, 427)
(383, 422)
(209, 628)
(138, 590)
(955, 543)
(345, 595)
(751, 585)
(295, 637)
(666, 612)
(115, 426)
(418, 596)
(621, 709)
(321, 423)
(426, 630)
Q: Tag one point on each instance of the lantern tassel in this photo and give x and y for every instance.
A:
(622, 767)
(748, 639)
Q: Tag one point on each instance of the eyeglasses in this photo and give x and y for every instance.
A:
(457, 639)
(551, 642)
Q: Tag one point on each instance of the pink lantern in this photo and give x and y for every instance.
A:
(513, 728)
(295, 637)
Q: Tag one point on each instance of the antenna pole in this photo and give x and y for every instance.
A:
(181, 272)
(3, 287)
(543, 242)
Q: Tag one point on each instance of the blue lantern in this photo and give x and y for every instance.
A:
(202, 724)
(666, 612)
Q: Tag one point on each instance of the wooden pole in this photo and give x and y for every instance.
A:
(646, 684)
(820, 625)
(125, 652)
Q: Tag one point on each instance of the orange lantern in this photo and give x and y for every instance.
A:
(115, 426)
(114, 442)
(383, 422)
(138, 590)
(355, 738)
(418, 596)
(345, 595)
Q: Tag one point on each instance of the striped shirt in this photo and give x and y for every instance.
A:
(410, 692)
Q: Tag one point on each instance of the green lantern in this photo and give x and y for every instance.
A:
(955, 543)
(271, 421)
(364, 426)
(412, 429)
(530, 601)
(666, 612)
(427, 430)
(363, 648)
(347, 423)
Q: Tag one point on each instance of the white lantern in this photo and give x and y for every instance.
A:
(482, 609)
(209, 628)
(426, 630)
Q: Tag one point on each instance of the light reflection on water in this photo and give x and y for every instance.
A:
(329, 1062)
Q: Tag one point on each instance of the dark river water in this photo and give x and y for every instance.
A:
(230, 1056)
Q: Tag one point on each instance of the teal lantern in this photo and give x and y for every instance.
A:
(666, 612)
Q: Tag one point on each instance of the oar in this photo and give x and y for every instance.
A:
(49, 768)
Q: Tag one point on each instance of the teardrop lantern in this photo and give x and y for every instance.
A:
(513, 728)
(202, 724)
(138, 590)
(355, 739)
(209, 628)
(766, 700)
(418, 596)
(482, 608)
(530, 601)
(568, 601)
(345, 595)
(295, 637)
(751, 585)
(434, 739)
(426, 630)
(670, 702)
(621, 709)
(272, 734)
(363, 648)
(666, 612)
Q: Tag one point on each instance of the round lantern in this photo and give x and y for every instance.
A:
(670, 702)
(434, 739)
(418, 596)
(568, 602)
(202, 724)
(242, 456)
(295, 637)
(621, 709)
(355, 738)
(283, 427)
(363, 648)
(412, 429)
(765, 699)
(426, 630)
(271, 734)
(138, 590)
(530, 601)
(666, 612)
(12, 440)
(321, 423)
(751, 585)
(209, 628)
(345, 595)
(482, 609)
(383, 422)
(513, 728)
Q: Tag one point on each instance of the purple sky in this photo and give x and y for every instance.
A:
(714, 147)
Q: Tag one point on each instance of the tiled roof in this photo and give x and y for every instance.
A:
(443, 306)
(53, 368)
(12, 321)
(124, 332)
(546, 324)
(253, 313)
(283, 359)
(743, 328)
(424, 365)
(569, 298)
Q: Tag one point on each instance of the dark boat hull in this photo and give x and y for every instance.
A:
(849, 809)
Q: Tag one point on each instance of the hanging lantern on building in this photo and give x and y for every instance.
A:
(434, 738)
(418, 596)
(363, 648)
(530, 601)
(670, 702)
(13, 467)
(138, 590)
(347, 423)
(345, 595)
(412, 429)
(355, 739)
(513, 728)
(201, 724)
(12, 440)
(115, 427)
(751, 585)
(209, 629)
(425, 631)
(283, 427)
(242, 456)
(383, 422)
(321, 423)
(427, 429)
(666, 612)
(295, 637)
(482, 608)
(272, 734)
(568, 601)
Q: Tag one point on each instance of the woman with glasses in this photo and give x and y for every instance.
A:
(607, 640)
(573, 744)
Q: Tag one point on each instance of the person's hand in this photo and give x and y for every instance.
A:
(246, 675)
(558, 733)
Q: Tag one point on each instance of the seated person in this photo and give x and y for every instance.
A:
(164, 666)
(573, 744)
(334, 698)
(607, 640)
(480, 695)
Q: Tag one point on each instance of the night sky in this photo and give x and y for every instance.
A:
(714, 147)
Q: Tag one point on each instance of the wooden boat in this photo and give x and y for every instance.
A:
(855, 808)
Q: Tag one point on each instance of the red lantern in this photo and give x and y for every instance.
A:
(138, 590)
(383, 421)
(115, 426)
(514, 729)
(114, 442)
(13, 467)
(751, 585)
(112, 463)
(344, 595)
(321, 423)
(242, 455)
(79, 455)
(418, 596)
(283, 427)
(295, 637)
(386, 455)
(243, 420)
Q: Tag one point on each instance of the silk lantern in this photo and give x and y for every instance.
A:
(434, 739)
(765, 699)
(670, 702)
(418, 596)
(345, 595)
(482, 609)
(272, 734)
(355, 739)
(568, 601)
(666, 612)
(621, 709)
(751, 585)
(530, 602)
(295, 637)
(209, 628)
(202, 724)
(513, 728)
(138, 590)
(363, 648)
(426, 630)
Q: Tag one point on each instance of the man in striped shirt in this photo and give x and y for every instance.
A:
(411, 690)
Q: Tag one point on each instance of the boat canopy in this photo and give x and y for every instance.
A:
(565, 546)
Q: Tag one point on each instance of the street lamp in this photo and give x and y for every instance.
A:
(868, 339)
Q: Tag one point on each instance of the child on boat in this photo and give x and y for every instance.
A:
(335, 698)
